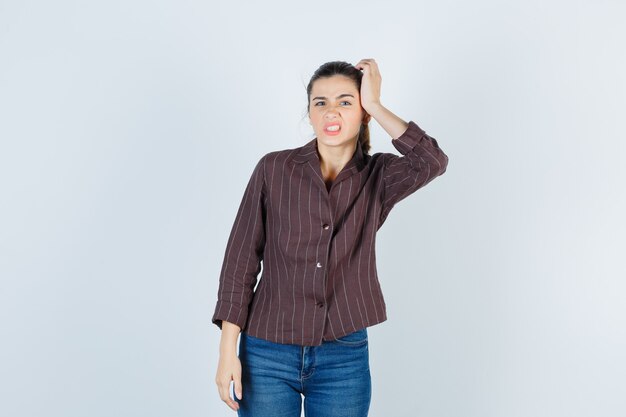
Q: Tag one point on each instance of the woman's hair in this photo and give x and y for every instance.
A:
(347, 70)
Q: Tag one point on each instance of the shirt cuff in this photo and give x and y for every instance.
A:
(230, 313)
(409, 139)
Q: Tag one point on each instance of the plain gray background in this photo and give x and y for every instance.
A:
(129, 130)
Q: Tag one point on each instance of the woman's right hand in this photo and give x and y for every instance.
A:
(229, 369)
(229, 366)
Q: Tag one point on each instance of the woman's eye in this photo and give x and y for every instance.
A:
(342, 102)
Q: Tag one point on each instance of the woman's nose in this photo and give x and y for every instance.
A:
(331, 113)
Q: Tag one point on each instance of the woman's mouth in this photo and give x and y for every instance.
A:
(332, 130)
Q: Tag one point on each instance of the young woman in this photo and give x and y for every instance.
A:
(311, 214)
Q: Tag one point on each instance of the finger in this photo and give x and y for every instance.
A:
(363, 66)
(369, 67)
(223, 390)
(238, 388)
(373, 66)
(371, 62)
(225, 396)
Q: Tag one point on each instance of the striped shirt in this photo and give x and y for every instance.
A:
(316, 245)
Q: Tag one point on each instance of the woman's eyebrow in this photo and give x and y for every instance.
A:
(338, 97)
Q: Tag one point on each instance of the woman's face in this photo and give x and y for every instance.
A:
(335, 100)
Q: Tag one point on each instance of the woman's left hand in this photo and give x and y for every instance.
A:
(370, 83)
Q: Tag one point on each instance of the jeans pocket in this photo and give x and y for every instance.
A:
(356, 338)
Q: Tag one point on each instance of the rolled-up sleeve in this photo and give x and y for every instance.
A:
(244, 253)
(422, 161)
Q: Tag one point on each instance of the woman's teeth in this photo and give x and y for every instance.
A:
(333, 128)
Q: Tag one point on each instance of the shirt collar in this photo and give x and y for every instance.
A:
(308, 152)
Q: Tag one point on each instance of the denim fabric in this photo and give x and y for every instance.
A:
(334, 378)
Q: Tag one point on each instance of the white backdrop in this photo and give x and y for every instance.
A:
(129, 130)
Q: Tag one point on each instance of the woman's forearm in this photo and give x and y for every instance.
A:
(228, 342)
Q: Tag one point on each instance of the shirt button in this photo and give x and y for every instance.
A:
(319, 265)
(326, 226)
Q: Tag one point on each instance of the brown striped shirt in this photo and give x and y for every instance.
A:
(317, 247)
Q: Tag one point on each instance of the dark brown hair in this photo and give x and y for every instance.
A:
(347, 70)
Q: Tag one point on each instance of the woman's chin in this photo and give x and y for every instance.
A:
(334, 141)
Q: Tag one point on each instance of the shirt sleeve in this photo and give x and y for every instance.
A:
(422, 161)
(244, 253)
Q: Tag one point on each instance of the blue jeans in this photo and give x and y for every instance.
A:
(334, 378)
